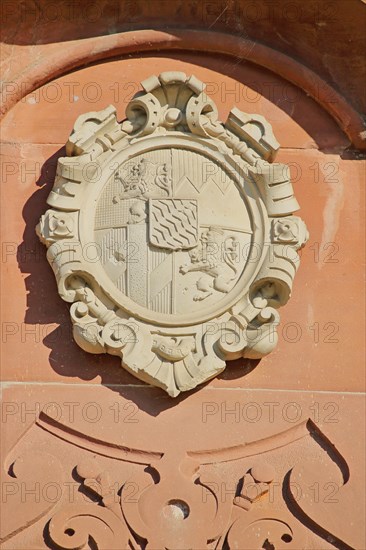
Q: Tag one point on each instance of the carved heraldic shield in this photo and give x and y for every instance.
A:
(172, 234)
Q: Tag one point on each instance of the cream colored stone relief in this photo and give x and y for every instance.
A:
(172, 234)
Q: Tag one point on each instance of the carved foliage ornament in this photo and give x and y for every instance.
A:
(172, 234)
(141, 499)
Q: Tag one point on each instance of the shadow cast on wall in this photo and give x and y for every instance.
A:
(44, 307)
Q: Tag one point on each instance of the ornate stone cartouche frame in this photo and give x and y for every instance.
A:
(172, 234)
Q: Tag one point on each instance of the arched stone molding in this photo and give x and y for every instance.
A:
(82, 52)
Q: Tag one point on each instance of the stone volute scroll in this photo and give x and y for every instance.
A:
(172, 234)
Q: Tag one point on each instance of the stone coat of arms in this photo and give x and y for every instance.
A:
(172, 234)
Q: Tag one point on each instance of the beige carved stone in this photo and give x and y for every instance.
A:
(172, 234)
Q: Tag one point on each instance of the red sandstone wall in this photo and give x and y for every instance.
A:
(314, 379)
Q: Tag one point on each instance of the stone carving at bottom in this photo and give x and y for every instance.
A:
(256, 495)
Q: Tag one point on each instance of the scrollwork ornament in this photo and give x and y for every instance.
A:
(271, 532)
(173, 234)
(74, 525)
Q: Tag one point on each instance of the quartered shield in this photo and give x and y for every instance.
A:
(153, 218)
